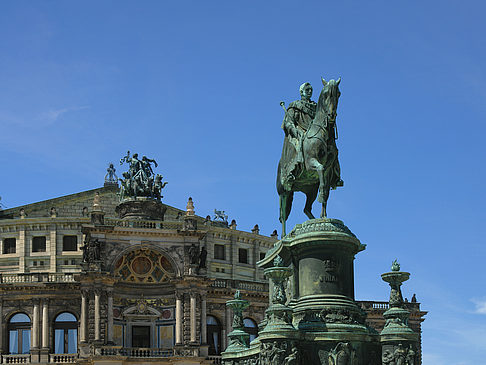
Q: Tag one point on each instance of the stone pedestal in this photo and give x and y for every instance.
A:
(141, 208)
(321, 323)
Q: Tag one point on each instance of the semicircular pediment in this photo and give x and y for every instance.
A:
(144, 265)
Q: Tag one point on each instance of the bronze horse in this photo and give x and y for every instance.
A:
(320, 169)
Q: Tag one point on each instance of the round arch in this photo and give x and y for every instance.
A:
(147, 265)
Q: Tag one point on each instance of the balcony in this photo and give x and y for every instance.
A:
(134, 352)
(37, 278)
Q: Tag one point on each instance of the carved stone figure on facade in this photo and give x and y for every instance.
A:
(110, 177)
(309, 161)
(202, 258)
(193, 254)
(91, 250)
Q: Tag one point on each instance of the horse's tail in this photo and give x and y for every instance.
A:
(280, 187)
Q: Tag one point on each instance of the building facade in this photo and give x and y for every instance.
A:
(79, 284)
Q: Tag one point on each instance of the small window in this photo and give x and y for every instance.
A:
(262, 255)
(222, 270)
(66, 262)
(219, 252)
(41, 263)
(9, 245)
(70, 243)
(35, 263)
(39, 244)
(73, 262)
(243, 255)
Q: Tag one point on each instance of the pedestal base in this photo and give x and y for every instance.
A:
(141, 208)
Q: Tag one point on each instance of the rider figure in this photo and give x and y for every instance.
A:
(297, 120)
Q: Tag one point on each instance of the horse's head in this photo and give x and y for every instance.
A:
(328, 100)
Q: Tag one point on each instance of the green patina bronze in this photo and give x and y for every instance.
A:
(313, 317)
(309, 161)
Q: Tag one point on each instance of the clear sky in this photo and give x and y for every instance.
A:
(197, 85)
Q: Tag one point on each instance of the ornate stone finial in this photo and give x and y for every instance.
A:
(256, 229)
(110, 177)
(274, 234)
(190, 207)
(22, 213)
(395, 265)
(97, 203)
(233, 224)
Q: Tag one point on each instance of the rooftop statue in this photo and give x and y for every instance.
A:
(309, 161)
(140, 179)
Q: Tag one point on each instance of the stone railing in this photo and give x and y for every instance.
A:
(135, 352)
(239, 284)
(217, 360)
(382, 306)
(16, 359)
(145, 224)
(37, 278)
(62, 358)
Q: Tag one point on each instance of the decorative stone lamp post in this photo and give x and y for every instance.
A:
(399, 341)
(238, 338)
(279, 316)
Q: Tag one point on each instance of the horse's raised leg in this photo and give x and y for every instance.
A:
(285, 206)
(311, 197)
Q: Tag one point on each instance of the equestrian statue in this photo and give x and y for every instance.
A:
(309, 161)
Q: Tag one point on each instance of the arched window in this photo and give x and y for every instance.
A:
(19, 334)
(251, 328)
(65, 334)
(214, 335)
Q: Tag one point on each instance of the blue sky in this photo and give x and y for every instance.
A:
(196, 85)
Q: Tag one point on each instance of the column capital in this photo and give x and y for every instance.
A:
(35, 301)
(179, 295)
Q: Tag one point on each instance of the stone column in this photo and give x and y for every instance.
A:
(110, 317)
(35, 325)
(22, 249)
(193, 317)
(84, 318)
(178, 329)
(1, 326)
(45, 324)
(229, 327)
(53, 247)
(97, 315)
(204, 337)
